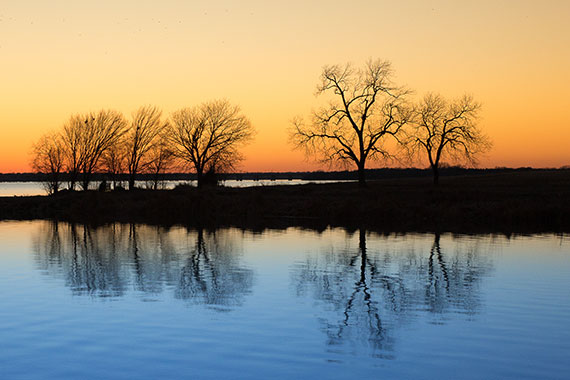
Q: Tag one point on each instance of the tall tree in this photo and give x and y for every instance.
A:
(209, 137)
(86, 137)
(103, 130)
(365, 108)
(94, 134)
(447, 129)
(72, 138)
(144, 131)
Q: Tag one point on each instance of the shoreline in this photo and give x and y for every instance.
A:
(520, 202)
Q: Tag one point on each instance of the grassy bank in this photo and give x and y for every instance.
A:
(534, 201)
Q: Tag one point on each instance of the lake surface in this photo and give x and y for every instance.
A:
(138, 301)
(8, 189)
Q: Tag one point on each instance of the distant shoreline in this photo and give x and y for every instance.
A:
(514, 202)
(372, 174)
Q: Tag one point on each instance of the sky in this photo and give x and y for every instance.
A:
(58, 58)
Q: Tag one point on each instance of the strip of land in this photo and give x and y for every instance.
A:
(515, 202)
(372, 174)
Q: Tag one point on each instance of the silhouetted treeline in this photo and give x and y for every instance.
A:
(381, 173)
(119, 177)
(205, 139)
(349, 175)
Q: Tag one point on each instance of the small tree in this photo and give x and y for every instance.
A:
(143, 135)
(114, 162)
(49, 159)
(365, 109)
(160, 160)
(209, 136)
(447, 129)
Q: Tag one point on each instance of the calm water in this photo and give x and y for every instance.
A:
(8, 189)
(136, 301)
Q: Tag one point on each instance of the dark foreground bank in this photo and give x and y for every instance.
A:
(534, 201)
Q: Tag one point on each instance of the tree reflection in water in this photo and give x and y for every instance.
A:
(198, 266)
(366, 295)
(210, 273)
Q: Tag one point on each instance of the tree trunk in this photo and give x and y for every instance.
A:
(361, 176)
(72, 180)
(155, 180)
(200, 177)
(131, 181)
(85, 181)
(435, 170)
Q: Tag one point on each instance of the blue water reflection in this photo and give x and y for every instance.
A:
(197, 266)
(372, 294)
(139, 301)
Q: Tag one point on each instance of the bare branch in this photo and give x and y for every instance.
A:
(367, 108)
(447, 129)
(208, 137)
(144, 131)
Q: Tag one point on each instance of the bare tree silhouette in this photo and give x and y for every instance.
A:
(113, 160)
(102, 130)
(87, 138)
(366, 109)
(49, 159)
(144, 133)
(208, 137)
(447, 129)
(160, 159)
(72, 137)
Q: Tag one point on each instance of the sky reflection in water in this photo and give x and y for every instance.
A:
(135, 300)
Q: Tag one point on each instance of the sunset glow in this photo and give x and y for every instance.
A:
(58, 58)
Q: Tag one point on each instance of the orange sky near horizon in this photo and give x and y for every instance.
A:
(58, 58)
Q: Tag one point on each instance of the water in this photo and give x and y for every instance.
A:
(8, 189)
(137, 301)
